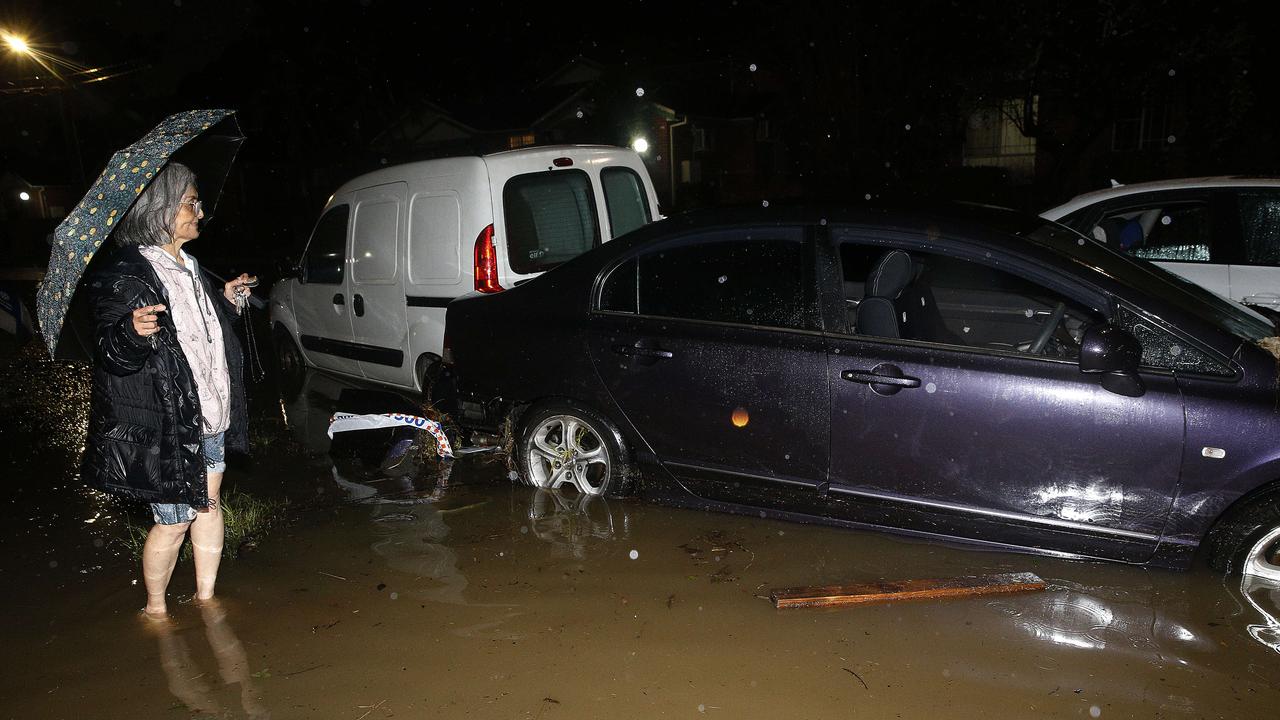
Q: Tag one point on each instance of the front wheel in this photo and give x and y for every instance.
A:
(1249, 542)
(566, 444)
(289, 362)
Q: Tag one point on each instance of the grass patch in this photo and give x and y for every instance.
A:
(247, 519)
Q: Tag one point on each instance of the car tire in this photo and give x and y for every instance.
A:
(565, 444)
(290, 366)
(1248, 537)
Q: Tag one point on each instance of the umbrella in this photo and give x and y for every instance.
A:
(204, 140)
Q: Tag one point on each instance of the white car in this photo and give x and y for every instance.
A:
(1219, 232)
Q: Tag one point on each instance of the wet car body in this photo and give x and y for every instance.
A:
(793, 413)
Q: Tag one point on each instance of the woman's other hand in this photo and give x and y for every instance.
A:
(238, 287)
(144, 320)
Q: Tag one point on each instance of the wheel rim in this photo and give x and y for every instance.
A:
(564, 450)
(1261, 560)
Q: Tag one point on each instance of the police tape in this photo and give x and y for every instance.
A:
(344, 422)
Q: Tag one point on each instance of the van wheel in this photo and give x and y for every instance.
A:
(1248, 542)
(289, 361)
(563, 443)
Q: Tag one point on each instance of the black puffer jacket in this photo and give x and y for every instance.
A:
(144, 414)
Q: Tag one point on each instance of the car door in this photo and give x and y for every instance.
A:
(320, 298)
(377, 289)
(709, 347)
(960, 426)
(1255, 276)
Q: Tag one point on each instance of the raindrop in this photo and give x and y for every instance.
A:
(1172, 139)
(765, 203)
(931, 388)
(887, 163)
(633, 554)
(395, 596)
(384, 161)
(946, 673)
(703, 708)
(722, 279)
(1166, 220)
(761, 514)
(752, 67)
(639, 92)
(907, 126)
(524, 529)
(97, 542)
(1172, 72)
(1095, 711)
(25, 133)
(579, 114)
(867, 196)
(513, 476)
(823, 221)
(1080, 241)
(53, 563)
(1176, 350)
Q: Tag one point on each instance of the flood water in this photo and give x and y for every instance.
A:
(451, 592)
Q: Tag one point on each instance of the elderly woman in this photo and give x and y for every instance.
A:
(168, 391)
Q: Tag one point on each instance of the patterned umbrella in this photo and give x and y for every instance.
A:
(204, 140)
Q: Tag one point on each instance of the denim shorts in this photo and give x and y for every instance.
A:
(215, 458)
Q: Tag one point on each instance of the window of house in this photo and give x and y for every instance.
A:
(746, 280)
(1179, 231)
(1260, 225)
(515, 142)
(1142, 124)
(625, 199)
(550, 218)
(326, 253)
(952, 301)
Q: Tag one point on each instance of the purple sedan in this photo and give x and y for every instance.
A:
(968, 375)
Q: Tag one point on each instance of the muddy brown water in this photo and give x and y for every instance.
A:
(451, 592)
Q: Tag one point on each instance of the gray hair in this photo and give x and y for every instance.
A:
(151, 219)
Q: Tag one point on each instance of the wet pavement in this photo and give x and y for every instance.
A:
(447, 591)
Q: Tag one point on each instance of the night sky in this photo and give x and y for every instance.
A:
(315, 82)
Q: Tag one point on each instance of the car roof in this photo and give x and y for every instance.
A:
(1096, 196)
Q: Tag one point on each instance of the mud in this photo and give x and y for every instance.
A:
(450, 592)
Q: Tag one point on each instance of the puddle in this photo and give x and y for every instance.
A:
(447, 591)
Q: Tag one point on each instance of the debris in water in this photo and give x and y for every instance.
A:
(346, 422)
(889, 591)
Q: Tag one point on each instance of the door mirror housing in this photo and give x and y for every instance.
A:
(1115, 353)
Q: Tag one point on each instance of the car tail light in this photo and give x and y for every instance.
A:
(446, 354)
(486, 266)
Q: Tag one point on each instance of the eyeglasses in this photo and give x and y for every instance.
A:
(197, 206)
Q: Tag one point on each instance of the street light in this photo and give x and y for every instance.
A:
(640, 145)
(24, 196)
(17, 44)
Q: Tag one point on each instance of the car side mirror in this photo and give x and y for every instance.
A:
(286, 268)
(1115, 354)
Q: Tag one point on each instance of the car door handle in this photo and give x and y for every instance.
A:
(339, 300)
(872, 378)
(1266, 299)
(357, 304)
(639, 351)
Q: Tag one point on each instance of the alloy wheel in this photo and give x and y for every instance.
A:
(565, 450)
(1263, 560)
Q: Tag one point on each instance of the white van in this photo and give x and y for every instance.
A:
(394, 246)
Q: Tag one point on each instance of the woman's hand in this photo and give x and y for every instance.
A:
(238, 287)
(144, 320)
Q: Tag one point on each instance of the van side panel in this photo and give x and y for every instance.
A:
(377, 291)
(448, 208)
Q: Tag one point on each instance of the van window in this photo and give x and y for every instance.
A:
(550, 218)
(374, 240)
(434, 235)
(625, 199)
(328, 248)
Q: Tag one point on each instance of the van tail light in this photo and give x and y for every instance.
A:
(486, 265)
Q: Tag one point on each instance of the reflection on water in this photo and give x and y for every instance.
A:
(570, 521)
(1263, 596)
(196, 685)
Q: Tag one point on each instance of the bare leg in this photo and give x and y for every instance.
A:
(207, 531)
(159, 555)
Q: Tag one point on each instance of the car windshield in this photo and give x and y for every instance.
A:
(1148, 277)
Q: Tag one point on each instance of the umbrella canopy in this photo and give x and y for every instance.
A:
(204, 140)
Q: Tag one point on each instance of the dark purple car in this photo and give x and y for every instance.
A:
(978, 376)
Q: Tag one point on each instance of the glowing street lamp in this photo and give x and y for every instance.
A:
(17, 44)
(640, 145)
(24, 196)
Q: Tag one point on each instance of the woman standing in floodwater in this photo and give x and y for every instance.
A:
(168, 389)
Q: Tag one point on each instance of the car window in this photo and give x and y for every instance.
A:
(1162, 349)
(326, 253)
(1174, 231)
(749, 280)
(940, 299)
(625, 199)
(550, 218)
(1260, 224)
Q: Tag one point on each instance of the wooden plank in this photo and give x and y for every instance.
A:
(892, 591)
